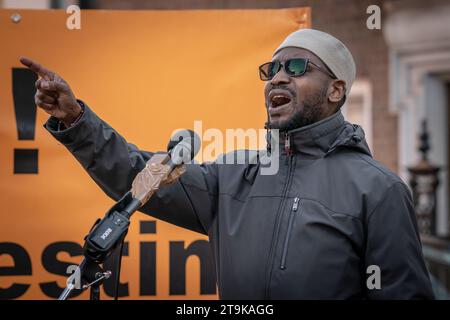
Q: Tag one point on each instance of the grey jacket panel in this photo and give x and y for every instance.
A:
(311, 231)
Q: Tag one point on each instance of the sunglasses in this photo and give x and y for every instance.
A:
(293, 67)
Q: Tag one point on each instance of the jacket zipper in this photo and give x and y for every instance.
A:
(288, 233)
(290, 156)
(287, 145)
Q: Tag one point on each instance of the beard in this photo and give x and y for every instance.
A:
(309, 112)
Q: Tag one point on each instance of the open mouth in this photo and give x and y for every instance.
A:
(278, 100)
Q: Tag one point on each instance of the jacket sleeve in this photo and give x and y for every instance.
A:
(393, 244)
(113, 164)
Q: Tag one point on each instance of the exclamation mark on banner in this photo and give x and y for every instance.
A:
(25, 160)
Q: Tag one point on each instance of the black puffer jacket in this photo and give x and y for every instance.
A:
(308, 232)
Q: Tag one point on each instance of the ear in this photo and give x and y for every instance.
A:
(336, 91)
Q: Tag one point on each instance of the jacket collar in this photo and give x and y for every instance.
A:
(313, 141)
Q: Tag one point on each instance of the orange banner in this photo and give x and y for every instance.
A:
(146, 73)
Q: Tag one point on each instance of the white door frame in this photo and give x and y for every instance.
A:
(419, 57)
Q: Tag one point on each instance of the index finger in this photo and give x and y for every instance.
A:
(37, 68)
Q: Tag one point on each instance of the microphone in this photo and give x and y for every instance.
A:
(108, 233)
(182, 148)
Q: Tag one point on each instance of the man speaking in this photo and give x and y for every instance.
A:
(313, 230)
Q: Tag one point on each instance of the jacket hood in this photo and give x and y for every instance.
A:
(324, 137)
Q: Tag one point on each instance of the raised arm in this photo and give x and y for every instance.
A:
(113, 163)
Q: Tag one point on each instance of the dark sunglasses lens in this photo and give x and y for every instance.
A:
(264, 71)
(296, 67)
(274, 68)
(268, 70)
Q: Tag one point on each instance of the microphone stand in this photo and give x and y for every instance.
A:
(108, 234)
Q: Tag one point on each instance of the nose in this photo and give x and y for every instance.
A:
(280, 77)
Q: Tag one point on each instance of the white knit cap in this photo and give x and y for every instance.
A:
(329, 49)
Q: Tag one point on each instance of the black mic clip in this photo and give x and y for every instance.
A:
(108, 232)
